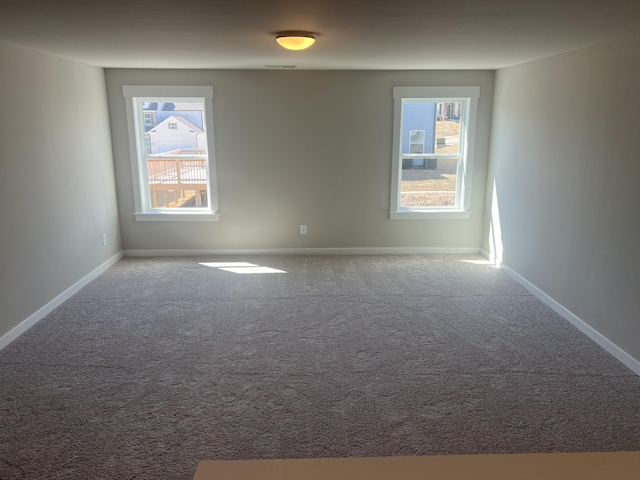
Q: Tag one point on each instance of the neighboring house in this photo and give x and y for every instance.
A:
(156, 112)
(449, 111)
(419, 124)
(419, 127)
(175, 132)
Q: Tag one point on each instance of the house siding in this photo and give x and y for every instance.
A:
(163, 139)
(419, 116)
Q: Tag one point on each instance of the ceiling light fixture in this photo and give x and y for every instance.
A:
(295, 39)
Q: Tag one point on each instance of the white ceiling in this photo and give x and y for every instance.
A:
(352, 34)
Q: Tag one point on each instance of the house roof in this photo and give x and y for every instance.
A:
(352, 34)
(181, 119)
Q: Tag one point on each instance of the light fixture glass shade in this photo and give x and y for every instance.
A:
(295, 40)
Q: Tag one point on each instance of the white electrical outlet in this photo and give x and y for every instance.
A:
(303, 229)
(104, 239)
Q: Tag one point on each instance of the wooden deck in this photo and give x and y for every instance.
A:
(174, 181)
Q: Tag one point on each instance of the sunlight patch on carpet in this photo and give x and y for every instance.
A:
(488, 263)
(241, 267)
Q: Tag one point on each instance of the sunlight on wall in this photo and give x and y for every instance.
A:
(495, 231)
(241, 267)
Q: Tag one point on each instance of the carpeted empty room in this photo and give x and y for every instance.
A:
(162, 362)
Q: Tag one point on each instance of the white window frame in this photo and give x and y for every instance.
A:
(136, 94)
(462, 209)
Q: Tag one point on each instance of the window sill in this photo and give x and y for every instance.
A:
(431, 215)
(177, 217)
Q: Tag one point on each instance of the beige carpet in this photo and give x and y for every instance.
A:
(161, 363)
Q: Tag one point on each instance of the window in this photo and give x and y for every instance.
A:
(416, 141)
(434, 130)
(173, 167)
(148, 119)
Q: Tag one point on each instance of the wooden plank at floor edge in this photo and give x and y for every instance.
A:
(547, 466)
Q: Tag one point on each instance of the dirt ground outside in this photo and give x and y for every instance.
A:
(423, 187)
(451, 131)
(446, 128)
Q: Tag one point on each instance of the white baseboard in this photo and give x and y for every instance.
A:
(25, 325)
(589, 331)
(593, 334)
(306, 251)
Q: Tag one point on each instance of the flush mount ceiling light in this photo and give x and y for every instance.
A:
(295, 39)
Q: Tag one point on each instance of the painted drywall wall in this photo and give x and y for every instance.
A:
(300, 147)
(563, 190)
(57, 187)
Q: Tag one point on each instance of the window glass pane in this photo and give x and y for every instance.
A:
(429, 126)
(435, 125)
(178, 179)
(429, 182)
(448, 116)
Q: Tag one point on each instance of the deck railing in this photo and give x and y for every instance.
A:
(173, 182)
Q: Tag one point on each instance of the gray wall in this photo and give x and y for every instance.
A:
(300, 147)
(56, 179)
(565, 155)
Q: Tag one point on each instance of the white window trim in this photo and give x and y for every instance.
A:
(466, 152)
(130, 92)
